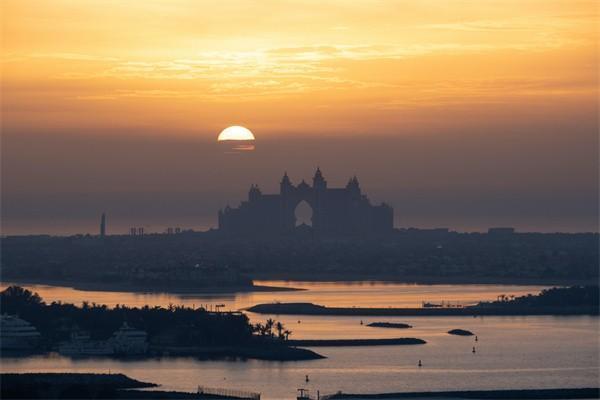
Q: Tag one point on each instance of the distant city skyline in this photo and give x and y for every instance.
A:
(464, 115)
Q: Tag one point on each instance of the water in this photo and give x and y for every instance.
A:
(512, 352)
(340, 294)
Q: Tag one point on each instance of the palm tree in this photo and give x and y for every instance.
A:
(258, 328)
(287, 334)
(279, 327)
(269, 326)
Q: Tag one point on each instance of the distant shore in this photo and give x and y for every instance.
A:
(137, 288)
(283, 352)
(287, 352)
(314, 309)
(511, 394)
(419, 279)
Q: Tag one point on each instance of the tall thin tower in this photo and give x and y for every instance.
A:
(103, 225)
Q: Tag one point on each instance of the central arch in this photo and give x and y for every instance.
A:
(303, 213)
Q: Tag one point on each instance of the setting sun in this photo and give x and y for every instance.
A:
(235, 133)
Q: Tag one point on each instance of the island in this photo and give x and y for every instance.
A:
(396, 325)
(355, 342)
(575, 300)
(460, 332)
(29, 325)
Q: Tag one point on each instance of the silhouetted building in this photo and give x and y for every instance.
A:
(335, 211)
(103, 225)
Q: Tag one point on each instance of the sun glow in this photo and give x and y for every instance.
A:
(235, 133)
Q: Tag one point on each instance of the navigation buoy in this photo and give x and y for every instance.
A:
(420, 363)
(306, 379)
(473, 349)
(476, 339)
(361, 322)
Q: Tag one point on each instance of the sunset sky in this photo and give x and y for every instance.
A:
(464, 114)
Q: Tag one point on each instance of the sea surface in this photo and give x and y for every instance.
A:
(511, 352)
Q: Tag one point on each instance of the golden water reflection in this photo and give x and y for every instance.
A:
(332, 294)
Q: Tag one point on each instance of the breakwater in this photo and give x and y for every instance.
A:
(355, 342)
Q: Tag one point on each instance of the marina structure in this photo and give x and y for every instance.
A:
(17, 334)
(124, 341)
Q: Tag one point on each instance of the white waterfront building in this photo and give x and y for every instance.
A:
(17, 334)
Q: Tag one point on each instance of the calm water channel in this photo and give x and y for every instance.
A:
(512, 352)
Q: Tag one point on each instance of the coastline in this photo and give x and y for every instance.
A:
(314, 309)
(134, 288)
(419, 279)
(355, 342)
(266, 353)
(509, 394)
(120, 386)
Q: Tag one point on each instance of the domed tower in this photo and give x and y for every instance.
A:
(353, 187)
(286, 191)
(254, 193)
(319, 183)
(285, 186)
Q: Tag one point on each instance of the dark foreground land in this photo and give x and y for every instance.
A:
(583, 393)
(119, 386)
(88, 386)
(576, 300)
(172, 331)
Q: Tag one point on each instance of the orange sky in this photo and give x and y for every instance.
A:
(340, 67)
(464, 114)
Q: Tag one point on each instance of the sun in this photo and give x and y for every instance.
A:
(235, 133)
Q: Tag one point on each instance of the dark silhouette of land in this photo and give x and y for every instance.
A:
(89, 386)
(355, 342)
(173, 331)
(208, 261)
(460, 332)
(119, 386)
(525, 394)
(393, 325)
(575, 300)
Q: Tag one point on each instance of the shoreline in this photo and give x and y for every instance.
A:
(132, 288)
(280, 353)
(327, 278)
(120, 386)
(419, 280)
(355, 342)
(506, 394)
(283, 352)
(314, 309)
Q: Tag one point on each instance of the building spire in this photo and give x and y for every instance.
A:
(318, 173)
(103, 225)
